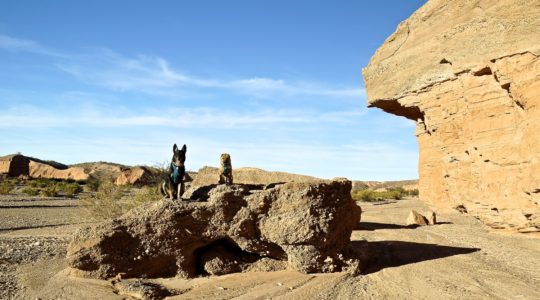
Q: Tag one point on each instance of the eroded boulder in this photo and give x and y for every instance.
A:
(416, 219)
(235, 227)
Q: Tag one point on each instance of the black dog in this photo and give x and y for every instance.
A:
(173, 186)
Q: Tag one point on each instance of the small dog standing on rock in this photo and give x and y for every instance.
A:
(173, 186)
(225, 169)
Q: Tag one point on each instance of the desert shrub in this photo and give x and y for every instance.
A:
(69, 189)
(92, 184)
(51, 188)
(393, 194)
(365, 195)
(105, 203)
(30, 191)
(6, 186)
(41, 183)
(50, 191)
(413, 193)
(372, 196)
(147, 194)
(162, 171)
(111, 201)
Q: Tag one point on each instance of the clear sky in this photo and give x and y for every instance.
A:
(277, 84)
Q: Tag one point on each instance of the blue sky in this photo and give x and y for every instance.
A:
(277, 84)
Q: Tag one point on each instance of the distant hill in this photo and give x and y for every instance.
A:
(209, 175)
(102, 170)
(18, 164)
(15, 165)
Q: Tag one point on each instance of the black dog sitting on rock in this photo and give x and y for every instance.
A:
(173, 185)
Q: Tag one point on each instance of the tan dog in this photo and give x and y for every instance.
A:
(225, 169)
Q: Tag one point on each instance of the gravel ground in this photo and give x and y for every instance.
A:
(32, 229)
(18, 251)
(457, 259)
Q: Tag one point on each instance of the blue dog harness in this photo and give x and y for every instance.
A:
(177, 173)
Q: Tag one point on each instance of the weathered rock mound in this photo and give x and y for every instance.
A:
(468, 74)
(17, 165)
(101, 170)
(308, 225)
(121, 174)
(210, 175)
(40, 170)
(137, 176)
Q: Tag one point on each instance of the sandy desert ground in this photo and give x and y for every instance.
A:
(458, 259)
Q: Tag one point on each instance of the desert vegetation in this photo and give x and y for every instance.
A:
(51, 188)
(112, 200)
(369, 195)
(7, 185)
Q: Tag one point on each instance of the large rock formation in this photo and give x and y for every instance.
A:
(308, 225)
(14, 165)
(17, 165)
(468, 73)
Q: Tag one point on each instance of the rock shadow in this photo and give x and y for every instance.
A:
(35, 227)
(372, 226)
(200, 194)
(386, 254)
(224, 256)
(36, 206)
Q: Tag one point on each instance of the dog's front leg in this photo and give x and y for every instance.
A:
(180, 190)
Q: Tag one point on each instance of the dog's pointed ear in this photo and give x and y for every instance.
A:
(174, 148)
(184, 148)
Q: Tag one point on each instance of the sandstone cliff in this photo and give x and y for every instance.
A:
(468, 73)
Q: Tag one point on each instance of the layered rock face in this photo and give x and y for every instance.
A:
(305, 225)
(468, 74)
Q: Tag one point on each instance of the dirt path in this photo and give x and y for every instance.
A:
(458, 259)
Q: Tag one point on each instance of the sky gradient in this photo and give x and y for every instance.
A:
(277, 84)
